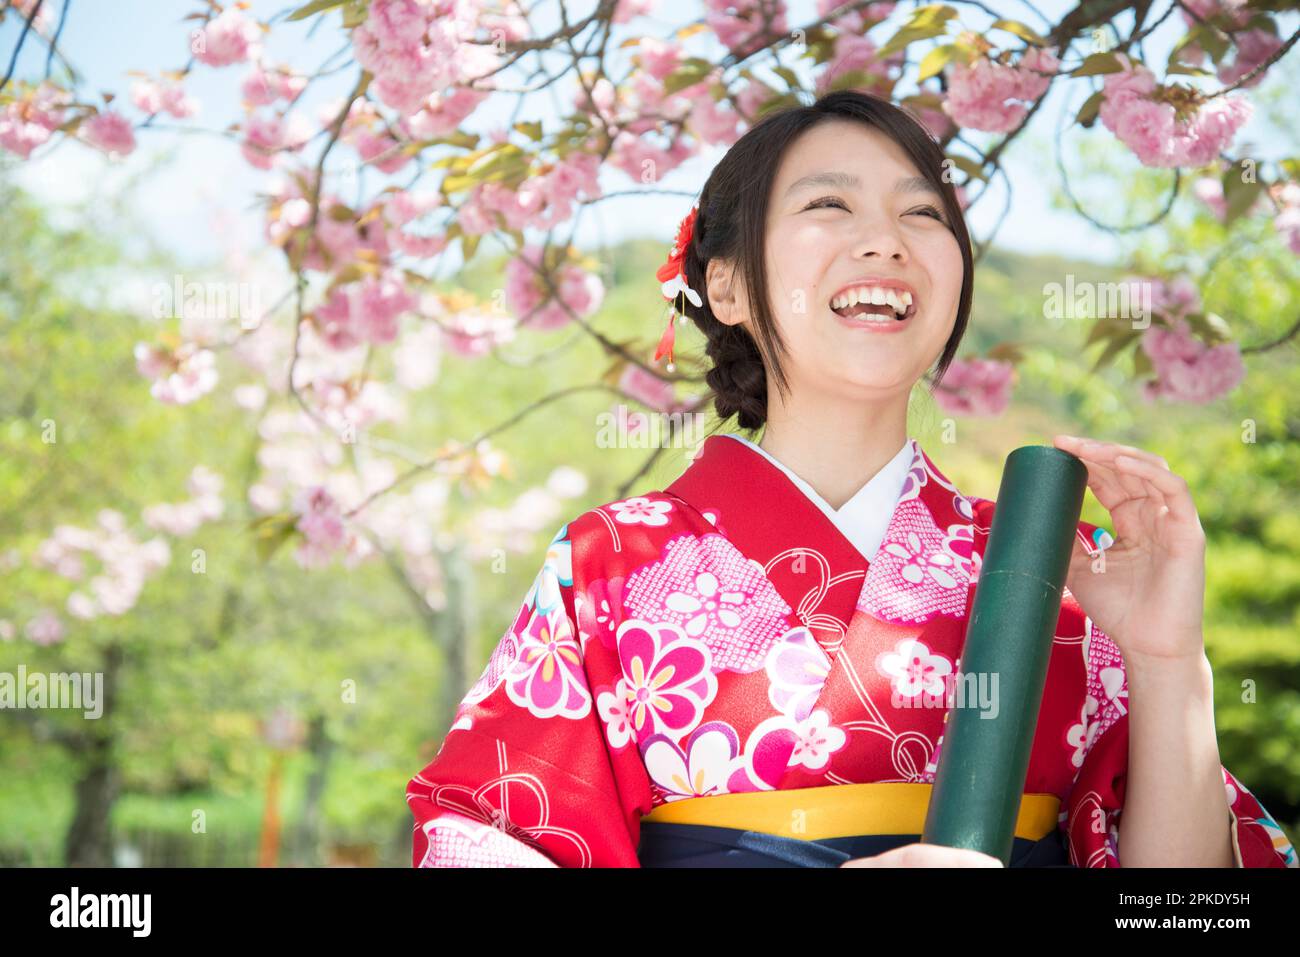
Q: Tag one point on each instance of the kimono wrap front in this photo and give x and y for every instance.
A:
(723, 636)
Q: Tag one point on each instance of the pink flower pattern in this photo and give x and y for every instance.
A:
(797, 668)
(705, 580)
(667, 681)
(547, 677)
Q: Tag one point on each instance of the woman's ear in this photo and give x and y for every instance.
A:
(724, 293)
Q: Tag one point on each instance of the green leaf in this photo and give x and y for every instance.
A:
(468, 244)
(1020, 30)
(691, 71)
(1098, 63)
(1209, 38)
(316, 6)
(1238, 196)
(1091, 106)
(354, 14)
(1187, 69)
(533, 129)
(270, 532)
(1106, 329)
(932, 15)
(1142, 363)
(934, 61)
(459, 183)
(967, 166)
(1112, 351)
(927, 22)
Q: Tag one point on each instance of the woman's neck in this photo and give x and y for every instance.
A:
(837, 448)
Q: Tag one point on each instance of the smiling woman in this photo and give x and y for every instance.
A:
(812, 203)
(753, 666)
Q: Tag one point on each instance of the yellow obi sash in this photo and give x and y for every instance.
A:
(838, 810)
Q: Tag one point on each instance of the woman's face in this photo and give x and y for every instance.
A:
(848, 206)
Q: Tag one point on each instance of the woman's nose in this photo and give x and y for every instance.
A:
(879, 240)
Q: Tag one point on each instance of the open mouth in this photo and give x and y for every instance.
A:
(874, 304)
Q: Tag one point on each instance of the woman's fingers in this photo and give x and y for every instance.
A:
(1102, 457)
(1111, 486)
(1172, 488)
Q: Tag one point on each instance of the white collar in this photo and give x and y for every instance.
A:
(864, 518)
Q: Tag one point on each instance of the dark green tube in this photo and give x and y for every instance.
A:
(985, 755)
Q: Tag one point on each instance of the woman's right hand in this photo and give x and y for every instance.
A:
(926, 855)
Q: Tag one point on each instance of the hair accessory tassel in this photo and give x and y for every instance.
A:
(672, 275)
(666, 343)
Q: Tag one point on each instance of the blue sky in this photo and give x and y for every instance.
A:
(206, 173)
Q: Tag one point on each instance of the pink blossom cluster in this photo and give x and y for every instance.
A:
(266, 135)
(163, 96)
(1209, 190)
(125, 564)
(405, 207)
(442, 113)
(348, 407)
(474, 333)
(936, 121)
(366, 130)
(739, 24)
(180, 375)
(857, 52)
(29, 120)
(364, 311)
(417, 47)
(109, 131)
(1171, 298)
(1153, 130)
(184, 518)
(975, 387)
(326, 534)
(650, 390)
(988, 95)
(625, 10)
(43, 628)
(541, 202)
(526, 295)
(643, 104)
(337, 239)
(1186, 369)
(646, 161)
(1235, 11)
(229, 37)
(1252, 47)
(1287, 221)
(856, 21)
(264, 86)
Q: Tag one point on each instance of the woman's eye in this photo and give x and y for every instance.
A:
(825, 202)
(831, 202)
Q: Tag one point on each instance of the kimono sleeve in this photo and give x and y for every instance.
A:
(1096, 801)
(523, 778)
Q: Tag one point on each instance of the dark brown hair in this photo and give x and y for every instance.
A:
(731, 224)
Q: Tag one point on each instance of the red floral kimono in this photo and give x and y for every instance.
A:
(722, 635)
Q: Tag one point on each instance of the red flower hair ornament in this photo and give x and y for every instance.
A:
(673, 276)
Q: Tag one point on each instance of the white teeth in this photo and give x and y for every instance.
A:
(897, 299)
